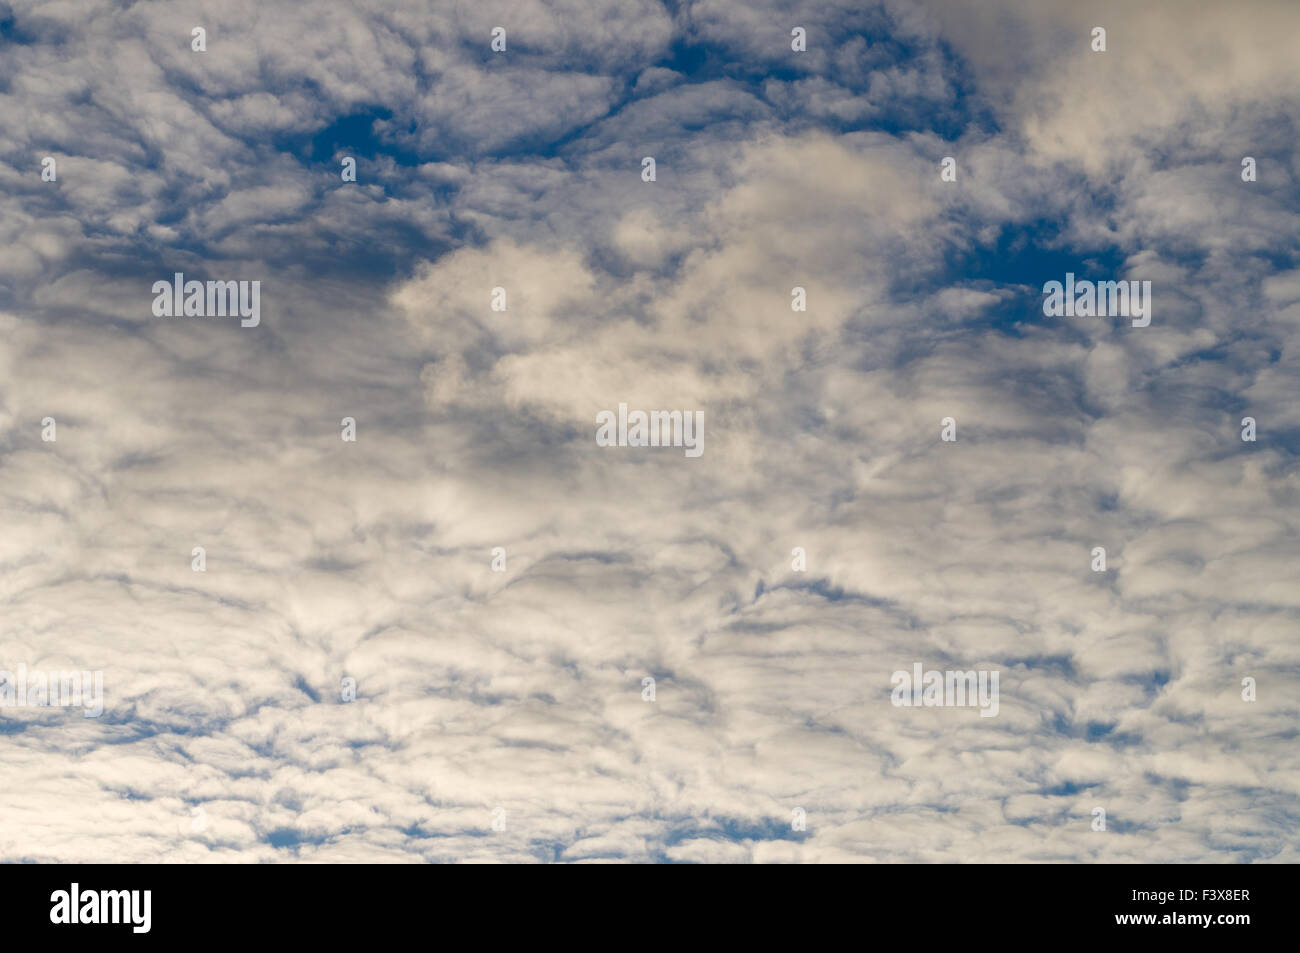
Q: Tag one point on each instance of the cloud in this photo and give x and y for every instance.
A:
(521, 690)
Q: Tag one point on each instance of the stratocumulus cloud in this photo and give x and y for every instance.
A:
(363, 583)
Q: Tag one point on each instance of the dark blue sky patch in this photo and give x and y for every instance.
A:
(300, 683)
(363, 134)
(32, 29)
(1024, 258)
(729, 829)
(1096, 730)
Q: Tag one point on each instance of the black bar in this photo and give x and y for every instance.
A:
(334, 904)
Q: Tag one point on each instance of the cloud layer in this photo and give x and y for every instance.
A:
(225, 736)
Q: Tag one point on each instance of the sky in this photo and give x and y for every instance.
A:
(431, 643)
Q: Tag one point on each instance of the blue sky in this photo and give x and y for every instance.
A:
(226, 735)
